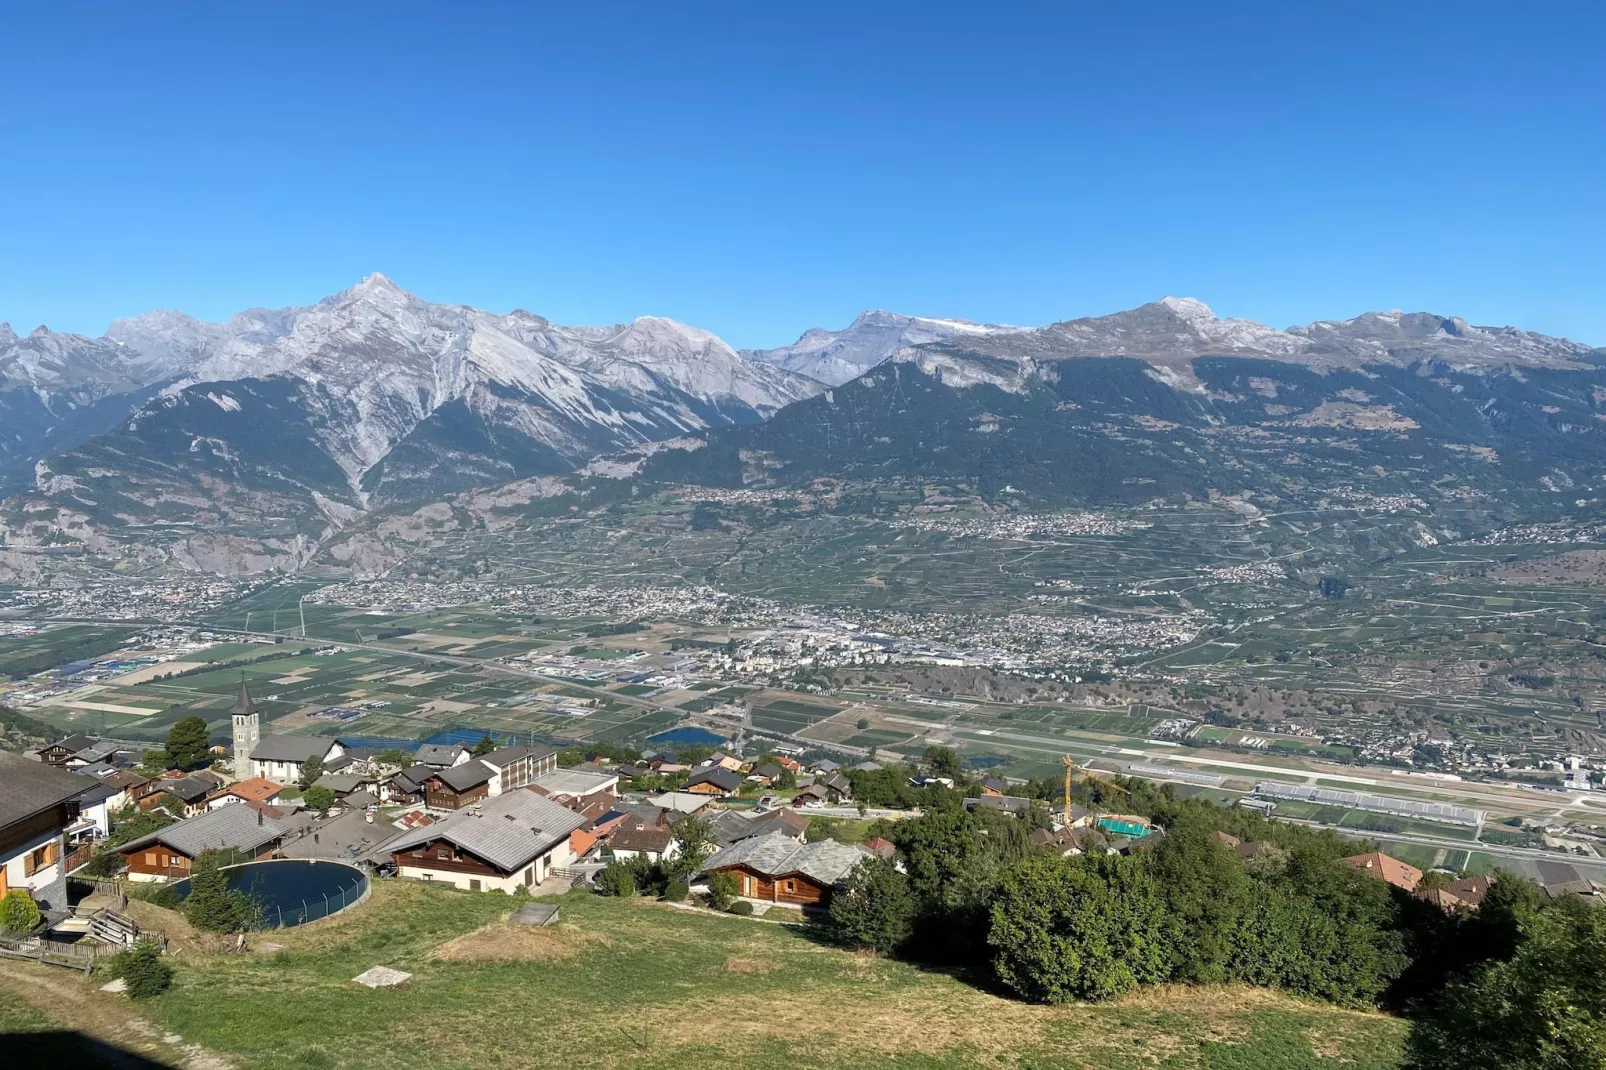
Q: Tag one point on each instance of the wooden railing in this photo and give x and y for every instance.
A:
(78, 857)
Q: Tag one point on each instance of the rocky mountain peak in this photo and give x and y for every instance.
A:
(7, 335)
(1190, 309)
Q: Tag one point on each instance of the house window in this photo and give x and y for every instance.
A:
(473, 886)
(39, 858)
(791, 886)
(443, 853)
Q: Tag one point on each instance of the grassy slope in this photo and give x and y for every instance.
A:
(633, 984)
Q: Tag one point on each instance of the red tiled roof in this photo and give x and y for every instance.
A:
(1379, 865)
(256, 789)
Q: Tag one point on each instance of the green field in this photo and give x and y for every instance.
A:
(631, 984)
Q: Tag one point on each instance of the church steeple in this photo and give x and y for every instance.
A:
(247, 731)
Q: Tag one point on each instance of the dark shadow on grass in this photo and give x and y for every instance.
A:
(65, 1049)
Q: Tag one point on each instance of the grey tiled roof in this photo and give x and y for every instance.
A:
(27, 787)
(778, 855)
(411, 779)
(240, 827)
(439, 754)
(465, 776)
(723, 779)
(508, 831)
(291, 748)
(505, 757)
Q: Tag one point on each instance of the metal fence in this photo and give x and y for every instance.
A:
(285, 915)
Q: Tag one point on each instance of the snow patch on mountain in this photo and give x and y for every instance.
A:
(836, 357)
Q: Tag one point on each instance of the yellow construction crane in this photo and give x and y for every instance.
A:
(1087, 774)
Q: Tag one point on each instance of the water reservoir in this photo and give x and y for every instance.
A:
(294, 891)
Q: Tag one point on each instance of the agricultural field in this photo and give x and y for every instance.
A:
(632, 984)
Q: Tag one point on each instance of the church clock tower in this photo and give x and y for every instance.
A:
(247, 733)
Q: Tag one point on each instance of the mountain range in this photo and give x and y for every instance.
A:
(251, 444)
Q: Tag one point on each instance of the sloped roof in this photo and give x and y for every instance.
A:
(778, 855)
(438, 753)
(291, 748)
(723, 779)
(191, 787)
(412, 778)
(505, 757)
(640, 836)
(240, 827)
(465, 776)
(74, 743)
(1382, 866)
(256, 789)
(507, 831)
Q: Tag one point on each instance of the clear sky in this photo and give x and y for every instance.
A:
(758, 168)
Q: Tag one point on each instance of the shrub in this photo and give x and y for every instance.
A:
(618, 879)
(105, 863)
(723, 890)
(742, 907)
(162, 895)
(677, 892)
(143, 970)
(19, 913)
(319, 799)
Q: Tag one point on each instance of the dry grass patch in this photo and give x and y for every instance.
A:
(501, 942)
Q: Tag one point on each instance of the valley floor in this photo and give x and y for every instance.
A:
(631, 983)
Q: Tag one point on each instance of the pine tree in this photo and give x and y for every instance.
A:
(187, 744)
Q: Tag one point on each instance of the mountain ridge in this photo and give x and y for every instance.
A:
(252, 444)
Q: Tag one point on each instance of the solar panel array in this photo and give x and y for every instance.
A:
(1382, 804)
(1187, 776)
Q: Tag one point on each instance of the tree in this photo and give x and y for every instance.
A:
(319, 799)
(1542, 1009)
(723, 890)
(485, 746)
(618, 879)
(1206, 893)
(187, 744)
(19, 913)
(213, 905)
(1083, 928)
(311, 770)
(875, 907)
(693, 838)
(944, 762)
(143, 970)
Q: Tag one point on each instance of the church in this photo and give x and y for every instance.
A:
(277, 758)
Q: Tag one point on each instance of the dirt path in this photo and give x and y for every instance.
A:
(73, 1003)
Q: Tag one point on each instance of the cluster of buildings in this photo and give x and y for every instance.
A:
(1030, 526)
(179, 598)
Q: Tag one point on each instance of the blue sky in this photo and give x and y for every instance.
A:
(757, 169)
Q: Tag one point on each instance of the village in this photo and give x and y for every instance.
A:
(778, 833)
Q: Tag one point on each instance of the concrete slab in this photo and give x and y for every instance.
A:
(382, 977)
(535, 914)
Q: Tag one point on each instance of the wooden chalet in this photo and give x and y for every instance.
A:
(458, 786)
(169, 853)
(778, 869)
(61, 751)
(713, 780)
